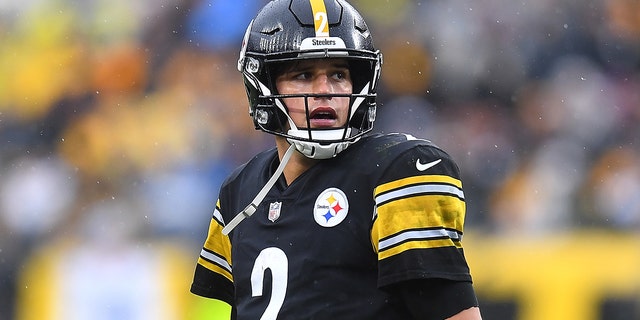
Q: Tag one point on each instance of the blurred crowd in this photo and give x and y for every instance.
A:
(119, 120)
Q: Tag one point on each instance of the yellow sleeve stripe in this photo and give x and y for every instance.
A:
(425, 211)
(216, 241)
(420, 202)
(420, 235)
(423, 244)
(418, 191)
(422, 218)
(416, 180)
(215, 268)
(216, 252)
(214, 258)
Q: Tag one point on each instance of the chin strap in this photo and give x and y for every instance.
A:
(252, 207)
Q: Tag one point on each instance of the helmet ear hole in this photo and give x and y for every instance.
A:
(266, 117)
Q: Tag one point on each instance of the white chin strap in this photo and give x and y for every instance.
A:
(253, 206)
(318, 150)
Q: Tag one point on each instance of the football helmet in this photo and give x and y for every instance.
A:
(286, 31)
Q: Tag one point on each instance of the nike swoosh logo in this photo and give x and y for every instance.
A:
(424, 166)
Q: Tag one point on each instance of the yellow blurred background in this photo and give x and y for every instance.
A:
(119, 120)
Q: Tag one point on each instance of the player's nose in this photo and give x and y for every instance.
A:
(321, 83)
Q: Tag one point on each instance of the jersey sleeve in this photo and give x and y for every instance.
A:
(419, 218)
(213, 275)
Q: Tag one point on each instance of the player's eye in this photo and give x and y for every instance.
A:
(302, 75)
(341, 74)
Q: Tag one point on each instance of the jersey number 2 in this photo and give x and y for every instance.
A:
(275, 259)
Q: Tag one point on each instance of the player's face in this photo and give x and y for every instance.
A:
(321, 76)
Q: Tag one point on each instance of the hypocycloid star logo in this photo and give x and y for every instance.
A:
(331, 207)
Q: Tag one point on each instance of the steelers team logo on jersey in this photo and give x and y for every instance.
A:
(331, 207)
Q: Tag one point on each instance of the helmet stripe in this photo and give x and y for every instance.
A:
(320, 18)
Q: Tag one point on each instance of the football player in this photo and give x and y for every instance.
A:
(334, 222)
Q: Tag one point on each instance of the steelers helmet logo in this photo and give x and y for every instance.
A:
(331, 207)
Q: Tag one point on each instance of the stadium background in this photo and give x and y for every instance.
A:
(119, 119)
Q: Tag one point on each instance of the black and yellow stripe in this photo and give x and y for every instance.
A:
(424, 211)
(216, 253)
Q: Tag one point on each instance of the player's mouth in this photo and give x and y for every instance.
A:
(323, 117)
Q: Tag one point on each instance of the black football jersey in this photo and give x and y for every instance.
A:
(389, 208)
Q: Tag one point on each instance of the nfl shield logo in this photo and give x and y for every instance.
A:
(274, 211)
